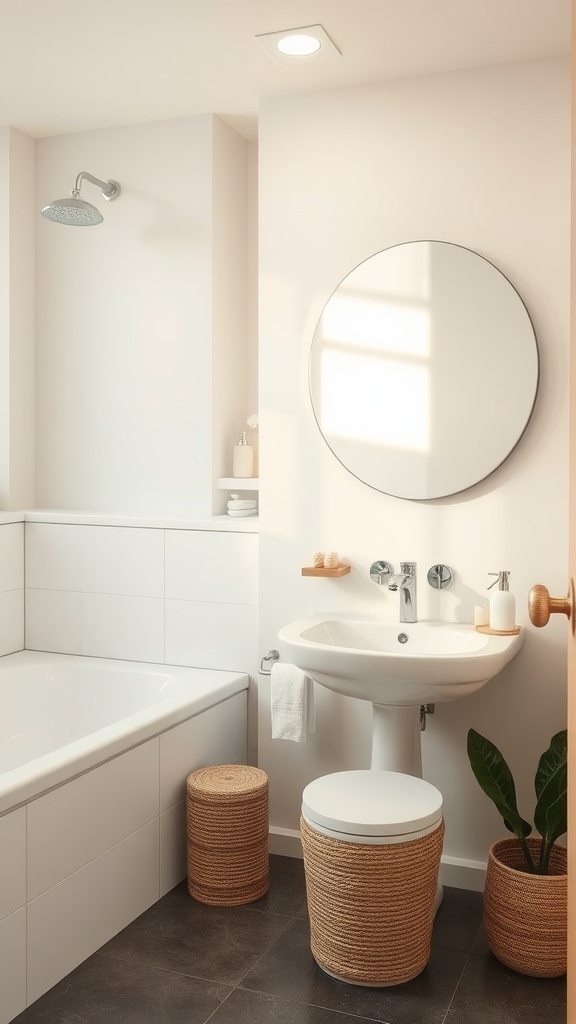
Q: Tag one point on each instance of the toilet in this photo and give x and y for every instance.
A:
(372, 842)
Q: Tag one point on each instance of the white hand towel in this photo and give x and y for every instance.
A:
(291, 703)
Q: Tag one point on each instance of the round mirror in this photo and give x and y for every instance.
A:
(423, 370)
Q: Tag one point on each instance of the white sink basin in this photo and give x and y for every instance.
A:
(395, 663)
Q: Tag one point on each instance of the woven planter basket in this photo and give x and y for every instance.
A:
(227, 834)
(371, 907)
(525, 915)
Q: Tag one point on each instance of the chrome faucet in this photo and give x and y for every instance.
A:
(405, 582)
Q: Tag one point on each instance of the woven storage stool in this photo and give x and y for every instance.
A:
(227, 834)
(371, 893)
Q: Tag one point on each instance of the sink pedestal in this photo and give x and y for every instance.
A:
(397, 747)
(396, 739)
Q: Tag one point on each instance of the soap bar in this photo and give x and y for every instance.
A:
(481, 615)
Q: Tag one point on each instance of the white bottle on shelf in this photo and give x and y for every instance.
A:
(502, 603)
(243, 457)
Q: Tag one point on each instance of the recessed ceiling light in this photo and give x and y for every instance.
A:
(310, 41)
(298, 45)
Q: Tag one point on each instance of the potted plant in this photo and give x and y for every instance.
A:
(525, 908)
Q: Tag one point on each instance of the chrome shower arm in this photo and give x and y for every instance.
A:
(109, 189)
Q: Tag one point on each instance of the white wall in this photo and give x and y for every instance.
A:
(128, 382)
(479, 158)
(16, 319)
(11, 587)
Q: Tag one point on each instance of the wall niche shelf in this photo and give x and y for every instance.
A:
(238, 483)
(337, 570)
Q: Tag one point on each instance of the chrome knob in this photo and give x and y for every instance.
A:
(380, 572)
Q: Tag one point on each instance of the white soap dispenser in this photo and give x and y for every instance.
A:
(502, 603)
(243, 457)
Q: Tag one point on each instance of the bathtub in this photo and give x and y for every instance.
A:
(94, 755)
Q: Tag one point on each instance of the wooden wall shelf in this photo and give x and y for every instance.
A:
(338, 570)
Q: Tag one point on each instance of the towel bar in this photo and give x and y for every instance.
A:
(271, 656)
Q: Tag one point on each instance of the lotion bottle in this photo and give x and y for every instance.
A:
(502, 603)
(243, 457)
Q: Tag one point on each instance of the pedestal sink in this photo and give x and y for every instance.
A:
(398, 667)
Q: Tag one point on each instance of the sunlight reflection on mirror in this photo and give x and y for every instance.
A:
(377, 324)
(406, 350)
(388, 405)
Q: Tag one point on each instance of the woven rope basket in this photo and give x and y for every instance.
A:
(371, 907)
(525, 915)
(227, 834)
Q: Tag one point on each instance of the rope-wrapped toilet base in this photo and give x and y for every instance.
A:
(227, 834)
(371, 907)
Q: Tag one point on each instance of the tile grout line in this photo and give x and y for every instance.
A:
(453, 996)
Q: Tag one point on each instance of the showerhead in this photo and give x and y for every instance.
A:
(76, 211)
(72, 211)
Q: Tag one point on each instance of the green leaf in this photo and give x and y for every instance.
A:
(495, 778)
(551, 760)
(551, 813)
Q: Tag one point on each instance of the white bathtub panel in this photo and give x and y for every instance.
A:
(12, 862)
(53, 556)
(218, 736)
(12, 966)
(131, 628)
(119, 560)
(11, 621)
(53, 621)
(73, 919)
(75, 823)
(211, 635)
(202, 566)
(12, 556)
(172, 847)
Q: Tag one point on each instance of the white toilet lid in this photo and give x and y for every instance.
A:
(372, 803)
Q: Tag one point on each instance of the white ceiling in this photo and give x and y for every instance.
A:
(75, 65)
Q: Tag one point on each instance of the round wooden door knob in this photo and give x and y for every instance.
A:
(541, 606)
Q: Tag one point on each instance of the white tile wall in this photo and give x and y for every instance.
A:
(54, 621)
(120, 560)
(173, 866)
(212, 567)
(12, 966)
(11, 587)
(75, 823)
(123, 627)
(53, 557)
(95, 559)
(211, 635)
(218, 735)
(13, 861)
(128, 873)
(11, 621)
(186, 597)
(12, 556)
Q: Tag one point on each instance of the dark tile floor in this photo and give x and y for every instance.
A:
(184, 963)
